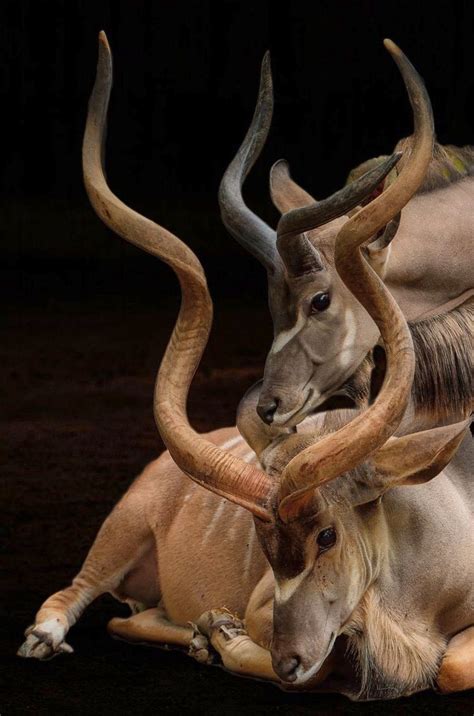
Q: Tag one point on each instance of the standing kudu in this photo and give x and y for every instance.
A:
(322, 334)
(339, 554)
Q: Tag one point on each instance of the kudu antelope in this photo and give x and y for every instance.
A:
(346, 579)
(425, 255)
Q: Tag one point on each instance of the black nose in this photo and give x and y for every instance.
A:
(286, 668)
(267, 411)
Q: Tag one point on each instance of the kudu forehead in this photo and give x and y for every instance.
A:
(285, 290)
(286, 293)
(346, 502)
(285, 546)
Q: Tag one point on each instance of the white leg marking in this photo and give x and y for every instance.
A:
(285, 336)
(55, 630)
(249, 456)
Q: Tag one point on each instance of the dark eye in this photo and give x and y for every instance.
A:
(326, 538)
(320, 302)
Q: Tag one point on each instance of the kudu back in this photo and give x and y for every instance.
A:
(425, 255)
(347, 565)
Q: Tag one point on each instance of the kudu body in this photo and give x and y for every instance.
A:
(322, 334)
(345, 579)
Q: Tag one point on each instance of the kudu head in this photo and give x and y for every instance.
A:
(317, 521)
(321, 331)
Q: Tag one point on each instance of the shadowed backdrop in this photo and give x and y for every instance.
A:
(88, 317)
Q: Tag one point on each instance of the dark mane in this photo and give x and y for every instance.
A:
(449, 165)
(444, 371)
(444, 350)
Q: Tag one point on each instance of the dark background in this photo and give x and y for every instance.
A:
(87, 317)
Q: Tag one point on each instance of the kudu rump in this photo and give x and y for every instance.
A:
(425, 254)
(346, 578)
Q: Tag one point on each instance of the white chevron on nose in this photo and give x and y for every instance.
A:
(285, 588)
(285, 336)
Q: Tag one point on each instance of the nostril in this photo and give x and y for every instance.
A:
(267, 411)
(286, 668)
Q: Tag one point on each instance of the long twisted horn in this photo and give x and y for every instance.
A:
(205, 463)
(297, 221)
(245, 226)
(343, 450)
(311, 217)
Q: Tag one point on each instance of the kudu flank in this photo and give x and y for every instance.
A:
(321, 332)
(328, 523)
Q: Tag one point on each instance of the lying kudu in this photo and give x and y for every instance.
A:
(346, 579)
(322, 334)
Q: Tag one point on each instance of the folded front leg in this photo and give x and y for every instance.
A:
(238, 652)
(153, 627)
(457, 668)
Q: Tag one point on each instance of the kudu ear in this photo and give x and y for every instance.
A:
(285, 193)
(417, 458)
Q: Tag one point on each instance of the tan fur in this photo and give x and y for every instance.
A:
(188, 549)
(395, 651)
(444, 373)
(449, 165)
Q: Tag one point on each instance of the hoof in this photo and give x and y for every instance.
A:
(44, 641)
(220, 620)
(200, 648)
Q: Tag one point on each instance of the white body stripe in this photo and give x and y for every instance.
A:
(232, 442)
(215, 519)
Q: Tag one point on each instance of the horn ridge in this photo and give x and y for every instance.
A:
(343, 450)
(208, 465)
(242, 223)
(310, 217)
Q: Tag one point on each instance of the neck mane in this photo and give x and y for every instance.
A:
(449, 165)
(444, 373)
(394, 652)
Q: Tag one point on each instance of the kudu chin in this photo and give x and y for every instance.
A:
(334, 573)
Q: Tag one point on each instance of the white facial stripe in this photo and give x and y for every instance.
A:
(232, 442)
(346, 354)
(285, 588)
(285, 336)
